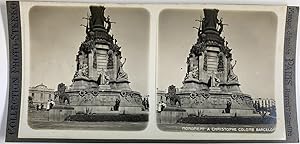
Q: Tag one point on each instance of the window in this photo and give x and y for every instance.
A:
(42, 98)
(49, 96)
(32, 94)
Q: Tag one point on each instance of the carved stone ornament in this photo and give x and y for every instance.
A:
(232, 78)
(193, 95)
(122, 75)
(220, 62)
(95, 93)
(82, 93)
(110, 61)
(193, 73)
(103, 78)
(123, 93)
(205, 62)
(205, 95)
(234, 96)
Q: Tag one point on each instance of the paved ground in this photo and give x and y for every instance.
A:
(130, 126)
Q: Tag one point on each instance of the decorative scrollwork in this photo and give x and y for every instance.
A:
(234, 96)
(82, 93)
(242, 97)
(193, 95)
(95, 93)
(123, 93)
(206, 95)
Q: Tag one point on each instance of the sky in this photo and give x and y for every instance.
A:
(55, 37)
(251, 36)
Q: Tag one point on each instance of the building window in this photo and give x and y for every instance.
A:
(32, 94)
(49, 96)
(42, 98)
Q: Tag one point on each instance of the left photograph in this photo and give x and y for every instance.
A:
(88, 68)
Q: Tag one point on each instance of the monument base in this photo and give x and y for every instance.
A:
(233, 88)
(215, 103)
(214, 89)
(129, 102)
(170, 115)
(123, 85)
(60, 112)
(82, 84)
(193, 85)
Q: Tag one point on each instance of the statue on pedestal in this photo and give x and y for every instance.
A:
(213, 80)
(174, 99)
(221, 26)
(220, 62)
(232, 78)
(122, 75)
(193, 70)
(103, 78)
(97, 16)
(82, 66)
(210, 19)
(193, 73)
(61, 94)
(107, 20)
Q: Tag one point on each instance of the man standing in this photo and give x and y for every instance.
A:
(52, 103)
(48, 105)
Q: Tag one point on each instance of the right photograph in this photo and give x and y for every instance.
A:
(215, 71)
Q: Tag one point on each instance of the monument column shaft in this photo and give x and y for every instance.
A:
(212, 61)
(102, 58)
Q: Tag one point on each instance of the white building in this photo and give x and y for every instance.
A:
(41, 94)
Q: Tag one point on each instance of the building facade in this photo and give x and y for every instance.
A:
(40, 94)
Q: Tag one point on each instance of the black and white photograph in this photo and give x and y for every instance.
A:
(83, 68)
(216, 71)
(144, 72)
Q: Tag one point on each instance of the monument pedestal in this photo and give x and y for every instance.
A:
(60, 113)
(233, 87)
(193, 85)
(104, 87)
(105, 101)
(123, 85)
(100, 84)
(170, 115)
(214, 89)
(82, 84)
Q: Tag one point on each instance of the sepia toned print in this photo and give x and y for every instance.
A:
(94, 72)
(89, 89)
(211, 96)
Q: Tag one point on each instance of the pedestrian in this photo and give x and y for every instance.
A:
(52, 104)
(159, 107)
(42, 106)
(48, 105)
(163, 105)
(147, 103)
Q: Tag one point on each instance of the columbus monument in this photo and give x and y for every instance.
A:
(100, 83)
(210, 86)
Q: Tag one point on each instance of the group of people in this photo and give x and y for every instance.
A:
(145, 103)
(49, 106)
(161, 106)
